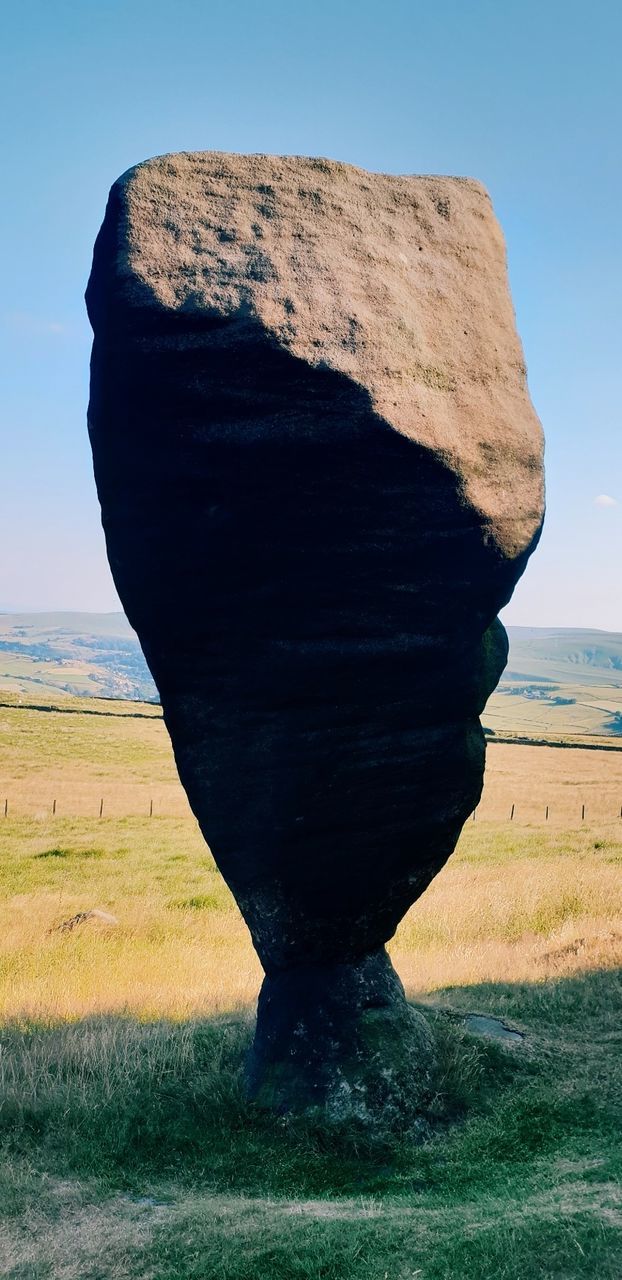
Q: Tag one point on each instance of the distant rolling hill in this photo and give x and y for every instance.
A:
(566, 656)
(564, 681)
(81, 653)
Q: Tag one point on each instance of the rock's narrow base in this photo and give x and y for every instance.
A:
(341, 1038)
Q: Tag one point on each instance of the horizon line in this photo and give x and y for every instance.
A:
(108, 613)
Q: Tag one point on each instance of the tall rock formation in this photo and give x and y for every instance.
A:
(320, 476)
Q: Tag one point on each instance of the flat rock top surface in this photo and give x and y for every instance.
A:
(400, 283)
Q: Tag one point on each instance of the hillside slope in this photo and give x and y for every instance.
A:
(568, 656)
(566, 681)
(80, 653)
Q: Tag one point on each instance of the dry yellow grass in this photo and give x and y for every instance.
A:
(83, 751)
(565, 779)
(518, 901)
(509, 906)
(490, 918)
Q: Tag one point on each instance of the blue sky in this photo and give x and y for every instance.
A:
(520, 94)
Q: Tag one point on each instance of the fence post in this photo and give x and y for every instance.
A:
(101, 807)
(53, 807)
(512, 813)
(6, 807)
(583, 813)
(151, 809)
(547, 813)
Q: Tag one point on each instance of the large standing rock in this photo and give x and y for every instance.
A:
(321, 477)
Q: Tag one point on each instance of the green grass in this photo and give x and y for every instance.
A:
(512, 1170)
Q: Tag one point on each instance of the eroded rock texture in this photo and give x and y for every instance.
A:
(321, 477)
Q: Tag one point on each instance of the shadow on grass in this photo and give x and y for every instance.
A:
(131, 1102)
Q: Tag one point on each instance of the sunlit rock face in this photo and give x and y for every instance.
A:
(320, 475)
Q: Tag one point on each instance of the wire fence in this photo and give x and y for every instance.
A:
(96, 807)
(548, 812)
(83, 802)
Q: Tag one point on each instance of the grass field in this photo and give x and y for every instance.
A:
(79, 751)
(569, 709)
(128, 1148)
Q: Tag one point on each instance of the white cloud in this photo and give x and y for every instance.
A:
(605, 500)
(23, 322)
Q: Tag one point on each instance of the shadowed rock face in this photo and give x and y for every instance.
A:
(320, 476)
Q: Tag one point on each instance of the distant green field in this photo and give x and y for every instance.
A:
(560, 683)
(566, 709)
(95, 654)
